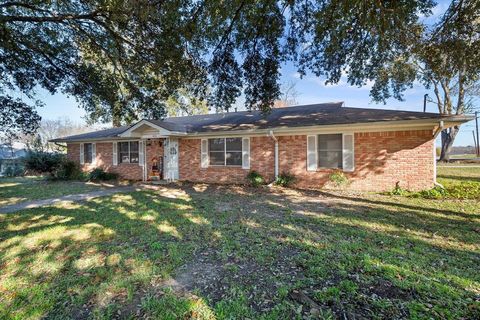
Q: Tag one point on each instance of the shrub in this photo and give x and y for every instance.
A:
(18, 171)
(398, 191)
(255, 179)
(13, 171)
(338, 178)
(69, 170)
(285, 179)
(98, 174)
(43, 162)
(434, 193)
(464, 190)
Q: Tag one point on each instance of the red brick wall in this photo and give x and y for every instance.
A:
(381, 160)
(104, 152)
(261, 160)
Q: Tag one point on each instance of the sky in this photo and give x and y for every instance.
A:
(310, 90)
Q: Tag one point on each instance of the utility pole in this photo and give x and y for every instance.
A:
(476, 125)
(475, 143)
(425, 96)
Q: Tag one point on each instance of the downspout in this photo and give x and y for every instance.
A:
(440, 127)
(145, 168)
(276, 151)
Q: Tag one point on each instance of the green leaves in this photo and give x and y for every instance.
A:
(123, 60)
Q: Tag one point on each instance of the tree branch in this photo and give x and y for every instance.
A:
(53, 18)
(230, 27)
(23, 5)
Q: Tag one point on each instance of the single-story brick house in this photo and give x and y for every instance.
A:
(375, 148)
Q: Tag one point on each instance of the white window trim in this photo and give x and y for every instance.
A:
(82, 153)
(114, 153)
(128, 163)
(353, 151)
(94, 153)
(204, 155)
(225, 153)
(246, 152)
(318, 151)
(318, 167)
(314, 167)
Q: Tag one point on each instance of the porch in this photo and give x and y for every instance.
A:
(158, 165)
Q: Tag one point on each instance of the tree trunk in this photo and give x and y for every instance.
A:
(448, 137)
(116, 115)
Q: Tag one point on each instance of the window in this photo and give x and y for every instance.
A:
(225, 151)
(330, 151)
(87, 152)
(128, 152)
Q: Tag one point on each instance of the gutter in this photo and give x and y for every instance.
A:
(439, 129)
(271, 135)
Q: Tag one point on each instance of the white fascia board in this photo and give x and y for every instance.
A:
(334, 128)
(128, 132)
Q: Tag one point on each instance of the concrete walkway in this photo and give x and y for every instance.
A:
(70, 197)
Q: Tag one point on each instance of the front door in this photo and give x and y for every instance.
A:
(171, 158)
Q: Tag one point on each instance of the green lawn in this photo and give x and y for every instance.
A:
(20, 189)
(237, 253)
(453, 174)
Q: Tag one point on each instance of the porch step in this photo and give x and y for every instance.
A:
(158, 182)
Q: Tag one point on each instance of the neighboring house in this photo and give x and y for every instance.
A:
(375, 148)
(11, 156)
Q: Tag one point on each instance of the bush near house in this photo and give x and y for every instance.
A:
(98, 174)
(255, 179)
(285, 179)
(40, 162)
(14, 171)
(338, 178)
(69, 170)
(55, 165)
(458, 183)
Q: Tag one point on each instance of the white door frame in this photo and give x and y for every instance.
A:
(170, 151)
(145, 168)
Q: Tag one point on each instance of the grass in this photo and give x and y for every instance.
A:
(20, 189)
(455, 175)
(463, 156)
(237, 253)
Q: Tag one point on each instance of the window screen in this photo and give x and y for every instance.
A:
(128, 152)
(225, 151)
(330, 151)
(87, 152)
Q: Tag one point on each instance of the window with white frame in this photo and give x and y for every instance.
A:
(225, 151)
(87, 152)
(128, 152)
(330, 151)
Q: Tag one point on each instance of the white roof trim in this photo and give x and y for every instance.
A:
(161, 131)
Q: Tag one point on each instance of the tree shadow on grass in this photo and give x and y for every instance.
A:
(109, 254)
(459, 178)
(98, 253)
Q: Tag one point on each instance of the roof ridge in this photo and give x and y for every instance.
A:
(342, 103)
